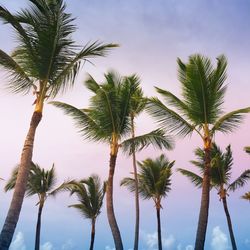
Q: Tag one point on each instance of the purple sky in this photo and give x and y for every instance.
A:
(152, 34)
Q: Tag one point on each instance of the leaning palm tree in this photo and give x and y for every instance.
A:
(221, 172)
(41, 182)
(108, 120)
(90, 193)
(138, 103)
(154, 181)
(199, 111)
(46, 60)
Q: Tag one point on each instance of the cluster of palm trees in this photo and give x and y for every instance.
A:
(47, 61)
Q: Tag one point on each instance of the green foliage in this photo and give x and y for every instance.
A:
(154, 178)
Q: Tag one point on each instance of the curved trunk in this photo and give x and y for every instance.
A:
(92, 235)
(229, 223)
(137, 206)
(38, 226)
(204, 208)
(158, 210)
(110, 209)
(20, 187)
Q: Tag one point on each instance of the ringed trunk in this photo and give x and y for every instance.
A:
(137, 205)
(38, 226)
(158, 213)
(229, 223)
(109, 200)
(204, 208)
(92, 234)
(20, 187)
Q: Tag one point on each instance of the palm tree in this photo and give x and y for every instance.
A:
(154, 183)
(41, 182)
(221, 172)
(90, 193)
(137, 106)
(107, 120)
(200, 111)
(46, 60)
(246, 196)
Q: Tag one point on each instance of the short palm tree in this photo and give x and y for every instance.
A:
(41, 182)
(46, 60)
(108, 120)
(200, 111)
(90, 193)
(154, 181)
(221, 172)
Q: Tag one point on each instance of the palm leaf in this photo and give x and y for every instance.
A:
(168, 118)
(246, 196)
(194, 178)
(240, 181)
(230, 121)
(156, 138)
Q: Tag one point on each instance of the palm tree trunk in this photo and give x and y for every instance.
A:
(20, 187)
(229, 223)
(158, 210)
(137, 205)
(110, 209)
(204, 208)
(38, 227)
(92, 235)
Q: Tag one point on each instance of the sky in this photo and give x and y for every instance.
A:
(151, 34)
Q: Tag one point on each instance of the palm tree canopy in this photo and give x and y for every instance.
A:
(40, 182)
(46, 58)
(203, 89)
(221, 169)
(90, 193)
(246, 196)
(154, 178)
(108, 115)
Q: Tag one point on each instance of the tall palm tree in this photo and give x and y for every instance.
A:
(154, 181)
(221, 172)
(41, 182)
(46, 60)
(200, 111)
(138, 103)
(90, 193)
(108, 120)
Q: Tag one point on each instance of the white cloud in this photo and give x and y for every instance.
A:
(47, 246)
(18, 242)
(68, 245)
(151, 240)
(109, 248)
(219, 239)
(189, 247)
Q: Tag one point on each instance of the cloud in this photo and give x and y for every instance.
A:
(109, 248)
(151, 241)
(47, 246)
(18, 242)
(68, 245)
(219, 239)
(188, 247)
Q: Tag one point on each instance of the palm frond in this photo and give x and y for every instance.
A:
(230, 121)
(247, 149)
(167, 118)
(194, 178)
(86, 125)
(246, 196)
(240, 181)
(12, 180)
(156, 138)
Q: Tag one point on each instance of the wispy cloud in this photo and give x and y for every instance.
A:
(47, 246)
(109, 248)
(18, 242)
(219, 239)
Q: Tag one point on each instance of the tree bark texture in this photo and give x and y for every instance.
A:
(38, 227)
(204, 208)
(20, 187)
(110, 209)
(229, 223)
